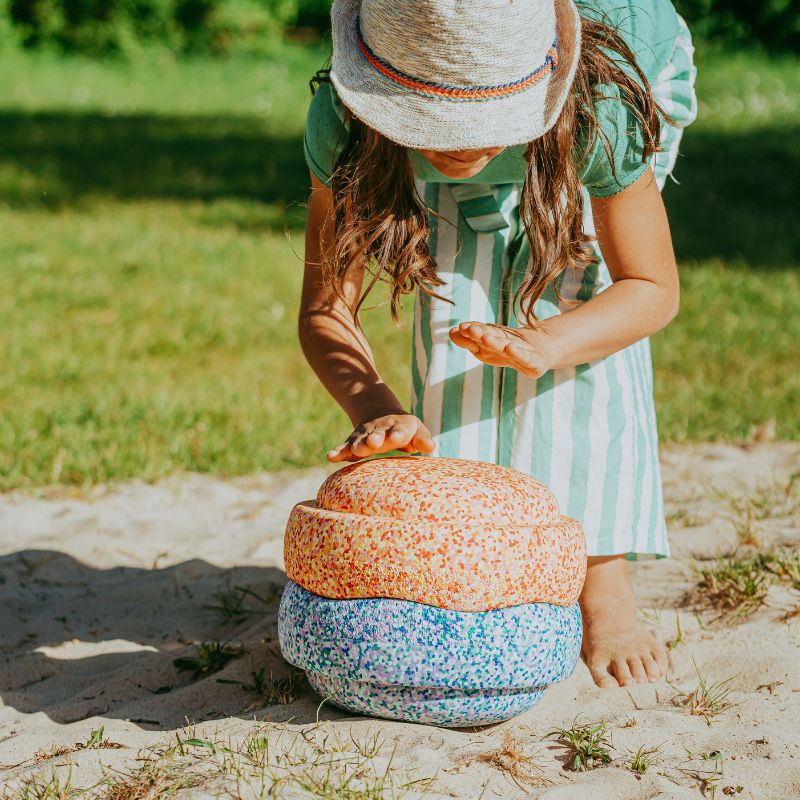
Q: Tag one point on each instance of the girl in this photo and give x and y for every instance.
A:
(503, 159)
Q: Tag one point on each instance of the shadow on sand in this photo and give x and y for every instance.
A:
(57, 611)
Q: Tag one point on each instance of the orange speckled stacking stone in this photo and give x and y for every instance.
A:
(452, 533)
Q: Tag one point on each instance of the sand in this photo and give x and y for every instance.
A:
(101, 592)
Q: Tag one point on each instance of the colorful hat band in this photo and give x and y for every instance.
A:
(448, 92)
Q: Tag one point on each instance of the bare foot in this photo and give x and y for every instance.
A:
(616, 647)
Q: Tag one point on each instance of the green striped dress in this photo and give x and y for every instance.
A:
(588, 432)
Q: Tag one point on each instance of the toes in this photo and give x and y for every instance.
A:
(659, 655)
(602, 676)
(605, 680)
(653, 670)
(621, 671)
(638, 670)
(660, 660)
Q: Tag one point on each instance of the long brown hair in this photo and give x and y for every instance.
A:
(381, 222)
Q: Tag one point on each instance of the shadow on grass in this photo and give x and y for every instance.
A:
(737, 197)
(61, 158)
(736, 200)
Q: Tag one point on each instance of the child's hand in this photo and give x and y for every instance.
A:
(531, 352)
(392, 432)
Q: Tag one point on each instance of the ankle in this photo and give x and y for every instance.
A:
(607, 589)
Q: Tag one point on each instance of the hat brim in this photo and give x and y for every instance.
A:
(421, 121)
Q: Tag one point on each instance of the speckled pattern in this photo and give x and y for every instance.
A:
(397, 642)
(452, 708)
(433, 489)
(451, 533)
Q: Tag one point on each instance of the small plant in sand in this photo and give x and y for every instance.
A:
(270, 691)
(231, 606)
(673, 643)
(707, 700)
(94, 742)
(644, 758)
(781, 499)
(41, 787)
(588, 746)
(683, 518)
(784, 564)
(370, 746)
(734, 586)
(512, 760)
(211, 657)
(749, 533)
(155, 778)
(709, 774)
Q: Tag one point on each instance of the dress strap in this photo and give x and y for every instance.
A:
(479, 205)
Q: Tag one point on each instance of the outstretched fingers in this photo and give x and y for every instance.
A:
(490, 338)
(404, 432)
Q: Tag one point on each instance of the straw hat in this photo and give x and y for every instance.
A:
(455, 74)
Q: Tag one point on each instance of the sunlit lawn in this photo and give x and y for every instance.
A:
(151, 246)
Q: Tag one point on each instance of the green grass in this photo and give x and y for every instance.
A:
(586, 746)
(152, 217)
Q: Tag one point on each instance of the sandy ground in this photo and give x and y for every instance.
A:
(99, 594)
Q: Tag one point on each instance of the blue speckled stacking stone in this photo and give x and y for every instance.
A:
(408, 661)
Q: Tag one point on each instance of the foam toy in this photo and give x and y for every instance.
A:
(408, 661)
(432, 590)
(452, 533)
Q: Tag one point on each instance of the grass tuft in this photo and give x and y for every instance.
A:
(784, 564)
(644, 758)
(588, 746)
(511, 760)
(706, 700)
(211, 657)
(749, 533)
(154, 780)
(735, 586)
(40, 787)
(272, 691)
(230, 605)
(683, 518)
(708, 774)
(94, 742)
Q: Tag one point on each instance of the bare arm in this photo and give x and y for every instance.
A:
(633, 234)
(634, 237)
(339, 353)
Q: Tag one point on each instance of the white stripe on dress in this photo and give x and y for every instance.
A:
(446, 248)
(473, 368)
(563, 403)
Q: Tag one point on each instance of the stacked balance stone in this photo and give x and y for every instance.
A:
(434, 590)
